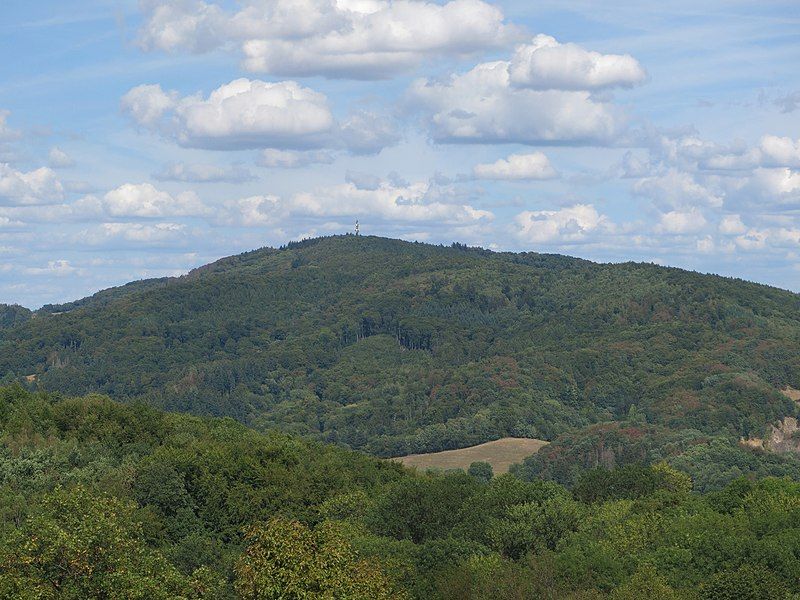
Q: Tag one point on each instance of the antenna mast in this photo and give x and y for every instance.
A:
(358, 229)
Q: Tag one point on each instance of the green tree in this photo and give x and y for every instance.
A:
(748, 582)
(481, 470)
(79, 544)
(285, 560)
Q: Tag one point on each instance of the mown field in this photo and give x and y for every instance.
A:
(501, 454)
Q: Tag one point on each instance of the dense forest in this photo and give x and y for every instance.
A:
(393, 347)
(100, 499)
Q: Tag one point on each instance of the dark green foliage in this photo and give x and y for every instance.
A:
(711, 461)
(395, 348)
(481, 470)
(628, 482)
(13, 314)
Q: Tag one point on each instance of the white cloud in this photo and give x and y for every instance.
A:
(292, 159)
(40, 186)
(420, 201)
(55, 268)
(676, 189)
(566, 225)
(732, 225)
(771, 187)
(771, 152)
(344, 38)
(368, 133)
(382, 200)
(7, 222)
(363, 181)
(59, 159)
(138, 233)
(6, 133)
(534, 165)
(779, 151)
(677, 222)
(147, 104)
(484, 106)
(545, 64)
(254, 211)
(248, 113)
(142, 201)
(198, 173)
(192, 24)
(742, 161)
(752, 240)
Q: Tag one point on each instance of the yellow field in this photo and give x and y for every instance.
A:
(501, 454)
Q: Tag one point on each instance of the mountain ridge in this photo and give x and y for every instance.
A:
(400, 347)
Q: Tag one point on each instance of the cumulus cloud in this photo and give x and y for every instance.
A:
(419, 201)
(365, 132)
(59, 159)
(678, 222)
(484, 106)
(137, 233)
(361, 39)
(779, 152)
(142, 200)
(770, 187)
(567, 225)
(676, 188)
(378, 200)
(732, 225)
(40, 186)
(546, 64)
(198, 173)
(772, 151)
(147, 104)
(248, 113)
(253, 211)
(55, 268)
(240, 114)
(292, 159)
(534, 165)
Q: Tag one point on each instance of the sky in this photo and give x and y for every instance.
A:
(144, 138)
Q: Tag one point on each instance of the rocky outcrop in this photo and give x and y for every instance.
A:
(784, 437)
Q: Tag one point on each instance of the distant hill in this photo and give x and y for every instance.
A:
(395, 348)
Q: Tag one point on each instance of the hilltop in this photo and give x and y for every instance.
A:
(395, 348)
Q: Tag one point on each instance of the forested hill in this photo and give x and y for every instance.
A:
(396, 347)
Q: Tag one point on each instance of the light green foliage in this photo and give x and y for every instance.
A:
(78, 545)
(285, 560)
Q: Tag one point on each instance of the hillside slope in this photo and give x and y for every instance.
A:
(396, 347)
(106, 500)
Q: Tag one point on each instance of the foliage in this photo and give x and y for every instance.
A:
(285, 560)
(101, 499)
(396, 348)
(481, 470)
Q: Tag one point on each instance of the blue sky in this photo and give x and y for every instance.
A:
(141, 139)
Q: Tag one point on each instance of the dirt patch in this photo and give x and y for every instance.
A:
(792, 393)
(501, 454)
